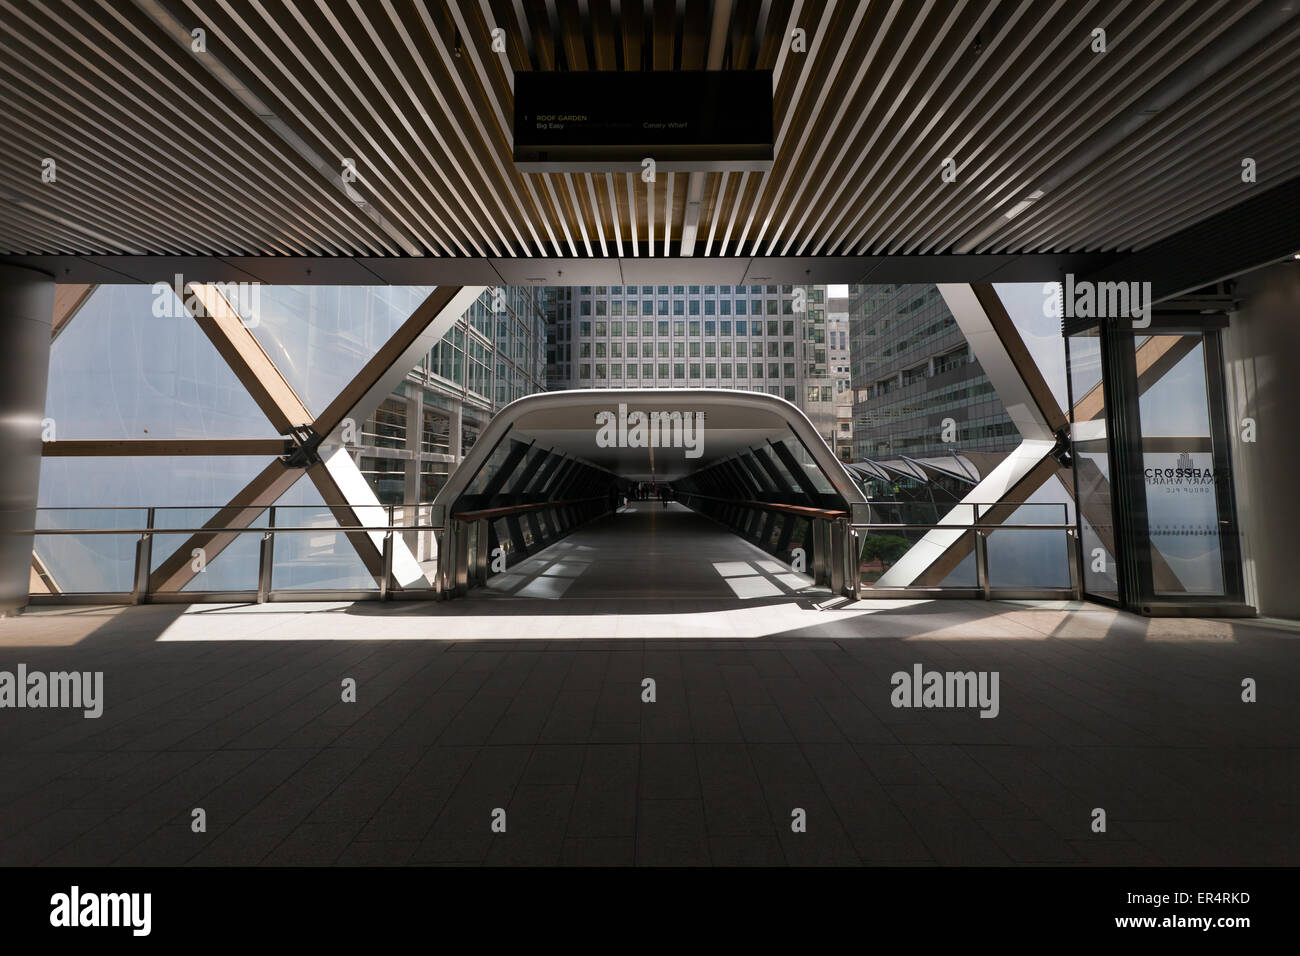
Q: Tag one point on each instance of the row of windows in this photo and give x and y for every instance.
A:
(687, 307)
(679, 328)
(910, 376)
(680, 349)
(679, 370)
(814, 294)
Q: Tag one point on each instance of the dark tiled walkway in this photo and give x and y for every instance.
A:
(238, 712)
(654, 552)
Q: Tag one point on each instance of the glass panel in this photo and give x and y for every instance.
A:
(1025, 558)
(76, 486)
(1178, 464)
(234, 569)
(133, 363)
(1034, 310)
(320, 336)
(1092, 467)
(84, 563)
(318, 560)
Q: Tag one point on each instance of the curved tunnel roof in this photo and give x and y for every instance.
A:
(569, 423)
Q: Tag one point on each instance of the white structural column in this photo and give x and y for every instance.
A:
(1029, 403)
(345, 489)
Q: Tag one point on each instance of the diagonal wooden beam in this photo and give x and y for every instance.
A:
(1013, 347)
(42, 581)
(169, 447)
(68, 300)
(353, 504)
(1155, 357)
(350, 501)
(425, 327)
(227, 331)
(243, 509)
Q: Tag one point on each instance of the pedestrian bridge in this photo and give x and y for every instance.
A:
(555, 462)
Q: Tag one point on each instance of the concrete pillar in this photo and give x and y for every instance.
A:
(26, 316)
(453, 432)
(414, 439)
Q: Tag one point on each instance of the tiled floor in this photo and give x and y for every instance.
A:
(764, 705)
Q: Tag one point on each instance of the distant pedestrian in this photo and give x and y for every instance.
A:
(615, 498)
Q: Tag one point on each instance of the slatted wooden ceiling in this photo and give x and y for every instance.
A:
(239, 150)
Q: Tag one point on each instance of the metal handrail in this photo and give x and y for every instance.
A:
(1064, 526)
(361, 529)
(152, 527)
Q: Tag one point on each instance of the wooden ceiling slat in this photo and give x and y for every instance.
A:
(572, 34)
(1069, 128)
(412, 90)
(539, 24)
(633, 34)
(695, 35)
(603, 42)
(664, 33)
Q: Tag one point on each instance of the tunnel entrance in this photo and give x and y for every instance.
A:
(745, 500)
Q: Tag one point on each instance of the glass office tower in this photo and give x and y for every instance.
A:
(761, 338)
(912, 371)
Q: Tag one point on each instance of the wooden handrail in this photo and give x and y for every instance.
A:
(802, 511)
(490, 513)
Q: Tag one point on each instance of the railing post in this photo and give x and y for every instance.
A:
(835, 555)
(461, 582)
(817, 528)
(1076, 576)
(982, 563)
(143, 560)
(447, 557)
(387, 576)
(481, 554)
(855, 563)
(266, 559)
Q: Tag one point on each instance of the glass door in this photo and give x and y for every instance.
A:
(1153, 480)
(1190, 515)
(1099, 555)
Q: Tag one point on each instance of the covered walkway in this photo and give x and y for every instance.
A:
(549, 465)
(657, 554)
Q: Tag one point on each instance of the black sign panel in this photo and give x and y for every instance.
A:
(600, 121)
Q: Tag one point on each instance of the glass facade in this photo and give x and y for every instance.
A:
(911, 370)
(760, 338)
(495, 354)
(134, 364)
